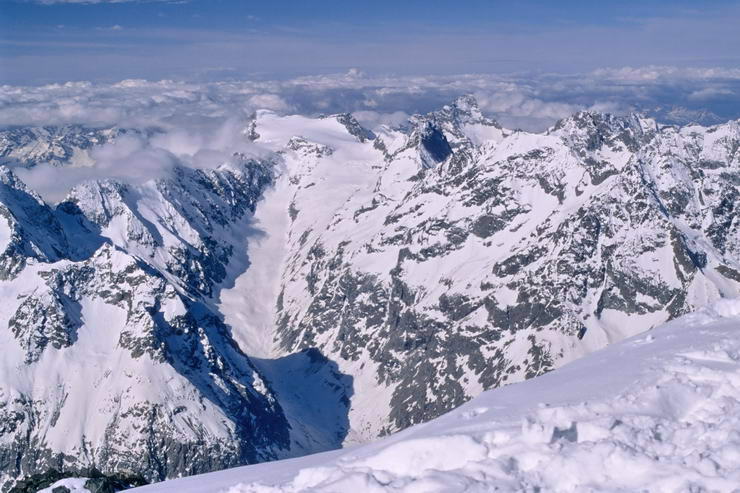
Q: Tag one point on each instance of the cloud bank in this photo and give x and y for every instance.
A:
(532, 102)
(200, 124)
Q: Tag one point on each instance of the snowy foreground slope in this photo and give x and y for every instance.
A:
(658, 412)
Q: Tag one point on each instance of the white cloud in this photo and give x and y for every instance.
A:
(130, 159)
(269, 102)
(114, 27)
(139, 158)
(530, 102)
(516, 108)
(373, 119)
(708, 93)
(656, 72)
(52, 2)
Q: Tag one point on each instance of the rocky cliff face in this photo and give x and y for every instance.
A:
(114, 358)
(355, 283)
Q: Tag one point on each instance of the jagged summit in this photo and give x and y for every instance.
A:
(433, 145)
(464, 109)
(592, 130)
(354, 127)
(462, 123)
(31, 230)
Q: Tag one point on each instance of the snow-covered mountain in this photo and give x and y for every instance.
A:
(56, 145)
(657, 412)
(111, 359)
(455, 256)
(352, 284)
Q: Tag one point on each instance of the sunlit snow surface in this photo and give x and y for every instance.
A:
(73, 485)
(658, 411)
(5, 233)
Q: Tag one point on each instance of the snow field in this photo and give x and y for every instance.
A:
(74, 485)
(656, 412)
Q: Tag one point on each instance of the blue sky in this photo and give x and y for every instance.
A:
(59, 40)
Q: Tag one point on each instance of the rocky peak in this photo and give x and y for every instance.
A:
(354, 127)
(35, 231)
(429, 141)
(591, 131)
(464, 110)
(434, 145)
(462, 123)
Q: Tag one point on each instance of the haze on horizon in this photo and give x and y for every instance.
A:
(44, 41)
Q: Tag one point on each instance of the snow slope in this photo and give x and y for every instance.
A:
(657, 411)
(73, 485)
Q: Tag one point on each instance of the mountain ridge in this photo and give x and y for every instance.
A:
(402, 271)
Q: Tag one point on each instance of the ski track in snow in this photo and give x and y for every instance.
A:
(658, 411)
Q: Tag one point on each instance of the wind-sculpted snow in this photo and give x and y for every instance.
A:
(348, 284)
(656, 412)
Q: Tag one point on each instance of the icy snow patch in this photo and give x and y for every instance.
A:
(74, 485)
(5, 234)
